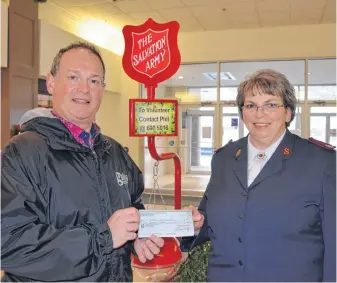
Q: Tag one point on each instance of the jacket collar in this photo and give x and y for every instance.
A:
(59, 137)
(274, 164)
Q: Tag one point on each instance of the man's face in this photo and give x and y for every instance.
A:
(77, 88)
(265, 125)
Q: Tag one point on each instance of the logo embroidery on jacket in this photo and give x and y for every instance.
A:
(122, 179)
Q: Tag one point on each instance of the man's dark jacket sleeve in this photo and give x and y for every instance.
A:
(33, 249)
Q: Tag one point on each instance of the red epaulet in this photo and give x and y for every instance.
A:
(322, 144)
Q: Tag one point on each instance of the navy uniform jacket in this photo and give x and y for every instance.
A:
(280, 228)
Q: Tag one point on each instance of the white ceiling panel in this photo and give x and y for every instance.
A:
(179, 14)
(184, 17)
(189, 3)
(133, 6)
(245, 11)
(196, 15)
(274, 18)
(103, 8)
(79, 2)
(210, 12)
(306, 16)
(144, 16)
(241, 25)
(307, 4)
(80, 11)
(214, 24)
(165, 4)
(273, 5)
(329, 15)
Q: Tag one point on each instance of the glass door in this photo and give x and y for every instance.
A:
(197, 139)
(232, 125)
(323, 124)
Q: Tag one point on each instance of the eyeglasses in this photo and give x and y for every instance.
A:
(266, 108)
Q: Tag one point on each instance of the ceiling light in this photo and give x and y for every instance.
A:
(180, 77)
(102, 34)
(224, 76)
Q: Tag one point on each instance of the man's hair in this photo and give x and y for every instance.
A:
(269, 82)
(77, 45)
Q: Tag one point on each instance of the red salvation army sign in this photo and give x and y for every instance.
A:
(151, 52)
(153, 59)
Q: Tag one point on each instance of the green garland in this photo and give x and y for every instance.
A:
(194, 269)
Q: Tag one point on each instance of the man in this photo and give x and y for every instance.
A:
(70, 195)
(270, 206)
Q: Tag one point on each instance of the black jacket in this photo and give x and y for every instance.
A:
(57, 196)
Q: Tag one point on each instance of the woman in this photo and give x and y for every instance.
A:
(269, 209)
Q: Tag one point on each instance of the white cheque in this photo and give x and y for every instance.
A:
(165, 223)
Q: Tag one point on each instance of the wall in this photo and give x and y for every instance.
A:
(4, 34)
(113, 116)
(267, 43)
(96, 31)
(54, 38)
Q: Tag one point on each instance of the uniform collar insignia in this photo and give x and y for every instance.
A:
(238, 152)
(286, 152)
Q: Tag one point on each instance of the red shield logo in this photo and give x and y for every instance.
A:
(151, 52)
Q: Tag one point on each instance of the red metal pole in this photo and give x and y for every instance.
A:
(164, 156)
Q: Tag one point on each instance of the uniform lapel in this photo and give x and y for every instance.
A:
(275, 163)
(241, 165)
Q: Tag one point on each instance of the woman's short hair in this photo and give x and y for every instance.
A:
(267, 81)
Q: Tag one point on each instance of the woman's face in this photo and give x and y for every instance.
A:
(265, 117)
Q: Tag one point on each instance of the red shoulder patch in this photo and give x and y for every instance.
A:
(322, 144)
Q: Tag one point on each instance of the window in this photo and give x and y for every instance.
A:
(293, 70)
(192, 83)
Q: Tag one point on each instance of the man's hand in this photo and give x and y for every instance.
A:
(197, 217)
(147, 248)
(124, 225)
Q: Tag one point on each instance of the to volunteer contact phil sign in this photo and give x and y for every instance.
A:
(153, 118)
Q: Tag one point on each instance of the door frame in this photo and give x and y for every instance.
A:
(185, 142)
(327, 116)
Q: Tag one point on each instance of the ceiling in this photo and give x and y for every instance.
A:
(205, 15)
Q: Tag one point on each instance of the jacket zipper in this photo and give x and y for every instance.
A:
(98, 176)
